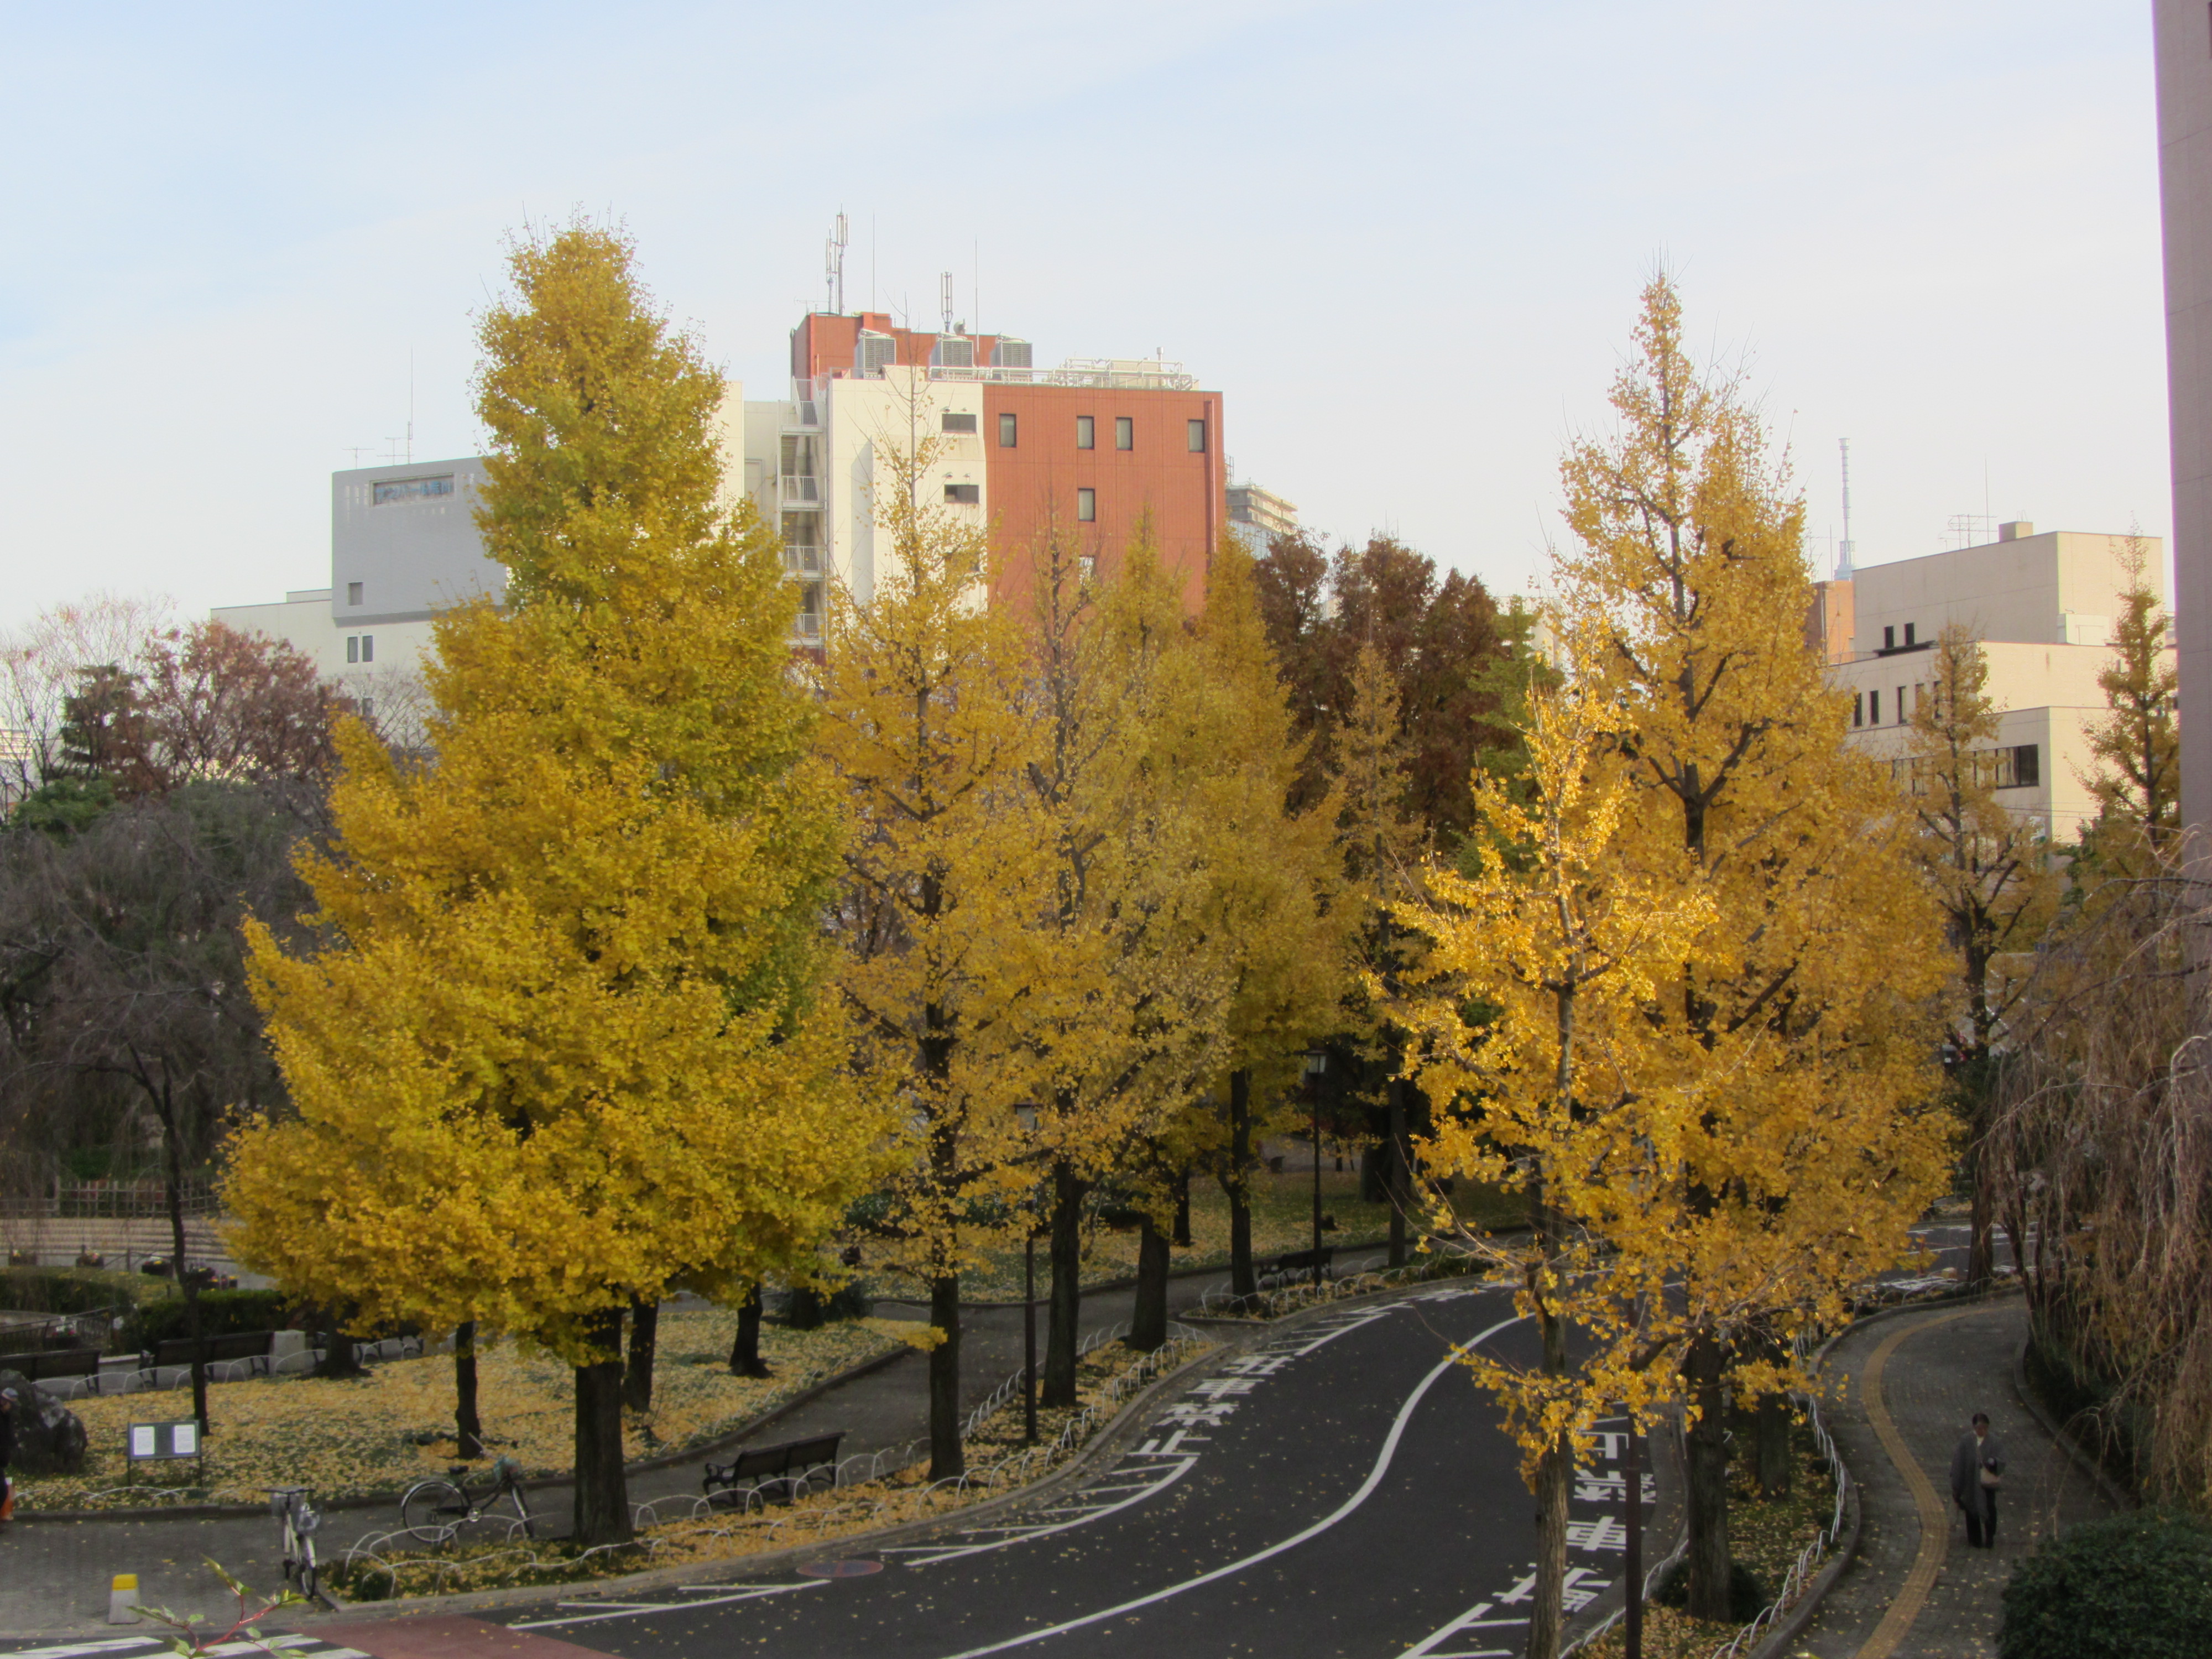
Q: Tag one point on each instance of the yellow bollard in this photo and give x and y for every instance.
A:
(122, 1600)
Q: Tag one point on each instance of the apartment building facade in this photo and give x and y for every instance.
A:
(2043, 606)
(1083, 452)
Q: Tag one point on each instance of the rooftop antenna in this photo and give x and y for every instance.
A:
(833, 267)
(945, 294)
(1843, 547)
(411, 405)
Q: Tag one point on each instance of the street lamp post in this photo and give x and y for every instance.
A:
(1029, 1338)
(1633, 1465)
(1317, 1063)
(1026, 1114)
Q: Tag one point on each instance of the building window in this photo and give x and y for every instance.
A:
(1197, 437)
(408, 490)
(1086, 432)
(1889, 639)
(1086, 506)
(2015, 766)
(1901, 715)
(957, 423)
(352, 593)
(1125, 432)
(361, 647)
(966, 495)
(1874, 708)
(1006, 432)
(1858, 708)
(1908, 632)
(1086, 567)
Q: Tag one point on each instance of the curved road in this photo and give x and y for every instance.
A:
(1342, 1489)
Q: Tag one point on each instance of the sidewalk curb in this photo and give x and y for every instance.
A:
(1108, 1287)
(1126, 1424)
(380, 1500)
(2116, 1495)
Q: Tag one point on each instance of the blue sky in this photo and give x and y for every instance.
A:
(1404, 240)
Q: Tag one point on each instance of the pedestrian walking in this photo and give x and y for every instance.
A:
(1977, 1476)
(7, 1453)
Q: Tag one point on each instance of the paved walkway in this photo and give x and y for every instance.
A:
(1908, 1388)
(54, 1576)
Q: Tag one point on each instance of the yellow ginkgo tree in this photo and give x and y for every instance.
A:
(1801, 1023)
(949, 889)
(1530, 1012)
(560, 1045)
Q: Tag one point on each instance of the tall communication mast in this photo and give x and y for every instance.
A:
(1843, 547)
(833, 268)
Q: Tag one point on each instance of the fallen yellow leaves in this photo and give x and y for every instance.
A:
(378, 1433)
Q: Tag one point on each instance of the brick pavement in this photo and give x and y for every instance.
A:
(1942, 1365)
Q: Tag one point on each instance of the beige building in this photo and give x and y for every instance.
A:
(2043, 606)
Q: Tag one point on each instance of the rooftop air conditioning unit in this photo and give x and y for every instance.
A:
(876, 353)
(1010, 353)
(954, 351)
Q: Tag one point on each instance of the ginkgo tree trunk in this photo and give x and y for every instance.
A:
(560, 1043)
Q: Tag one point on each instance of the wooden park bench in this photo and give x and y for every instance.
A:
(51, 1364)
(1294, 1265)
(251, 1346)
(792, 1466)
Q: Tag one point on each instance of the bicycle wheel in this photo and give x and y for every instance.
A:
(433, 1510)
(311, 1584)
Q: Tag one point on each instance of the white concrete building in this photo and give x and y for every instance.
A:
(2043, 606)
(403, 545)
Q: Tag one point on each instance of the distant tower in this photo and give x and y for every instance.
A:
(833, 268)
(1843, 547)
(945, 296)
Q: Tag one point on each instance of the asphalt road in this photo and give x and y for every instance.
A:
(1343, 1490)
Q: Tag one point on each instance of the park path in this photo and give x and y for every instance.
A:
(1904, 1389)
(54, 1576)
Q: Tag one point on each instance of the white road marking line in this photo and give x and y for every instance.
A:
(1471, 1620)
(1367, 1489)
(640, 1610)
(1161, 1485)
(72, 1651)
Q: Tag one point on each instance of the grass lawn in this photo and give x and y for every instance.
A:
(381, 1432)
(1282, 1220)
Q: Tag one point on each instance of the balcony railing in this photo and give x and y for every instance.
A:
(800, 487)
(802, 559)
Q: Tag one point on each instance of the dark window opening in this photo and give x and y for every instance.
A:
(352, 593)
(1889, 639)
(1908, 633)
(1005, 432)
(1197, 437)
(967, 495)
(952, 422)
(1086, 432)
(1125, 432)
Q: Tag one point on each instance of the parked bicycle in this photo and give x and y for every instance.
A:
(296, 1522)
(435, 1509)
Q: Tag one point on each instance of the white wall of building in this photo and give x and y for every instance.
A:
(2043, 606)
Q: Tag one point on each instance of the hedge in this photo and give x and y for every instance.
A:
(2133, 1587)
